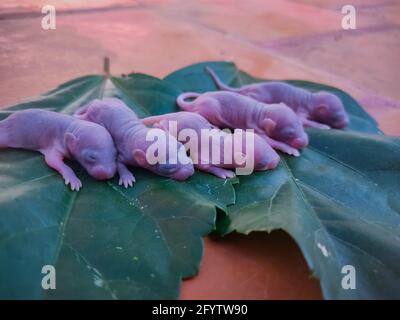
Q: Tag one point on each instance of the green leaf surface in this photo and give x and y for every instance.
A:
(339, 200)
(105, 242)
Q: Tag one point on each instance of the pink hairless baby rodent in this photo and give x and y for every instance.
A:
(263, 158)
(319, 109)
(129, 136)
(276, 123)
(58, 136)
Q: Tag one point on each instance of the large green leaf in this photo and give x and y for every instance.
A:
(339, 200)
(106, 242)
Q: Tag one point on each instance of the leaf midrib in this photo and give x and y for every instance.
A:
(305, 200)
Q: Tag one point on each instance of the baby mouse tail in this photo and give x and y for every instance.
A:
(186, 105)
(220, 85)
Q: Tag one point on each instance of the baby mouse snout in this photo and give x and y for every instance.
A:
(274, 162)
(103, 172)
(271, 163)
(341, 123)
(184, 172)
(300, 142)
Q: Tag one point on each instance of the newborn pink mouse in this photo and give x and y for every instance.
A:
(319, 109)
(276, 123)
(58, 136)
(129, 136)
(263, 158)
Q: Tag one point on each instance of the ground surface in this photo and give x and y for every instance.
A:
(281, 39)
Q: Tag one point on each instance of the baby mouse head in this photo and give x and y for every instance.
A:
(281, 123)
(257, 151)
(92, 146)
(163, 155)
(264, 156)
(329, 109)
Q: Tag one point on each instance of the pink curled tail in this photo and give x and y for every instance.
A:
(220, 85)
(186, 105)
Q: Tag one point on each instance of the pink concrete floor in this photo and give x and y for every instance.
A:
(280, 39)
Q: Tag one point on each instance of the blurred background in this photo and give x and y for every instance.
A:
(274, 39)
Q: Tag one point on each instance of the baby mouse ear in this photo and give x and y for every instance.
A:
(269, 126)
(139, 156)
(71, 142)
(321, 109)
